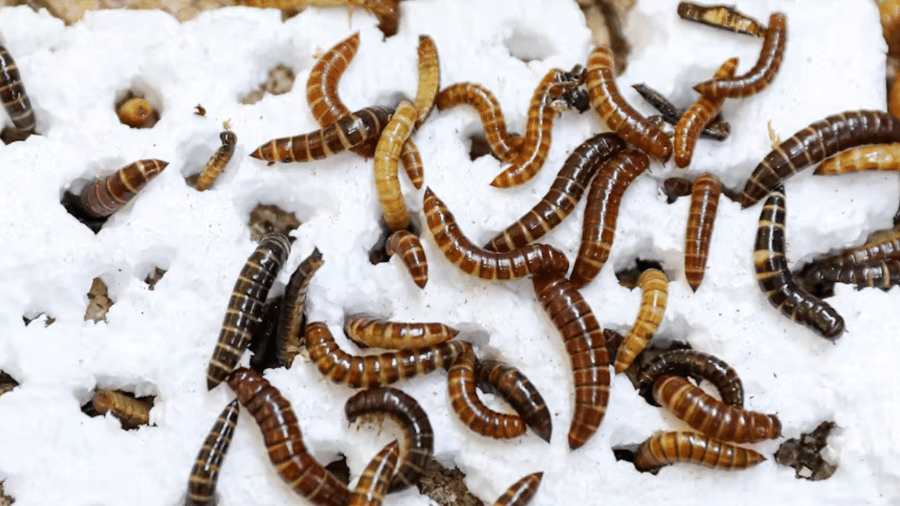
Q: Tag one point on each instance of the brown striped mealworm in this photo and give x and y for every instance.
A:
(408, 246)
(246, 305)
(654, 295)
(705, 194)
(504, 146)
(290, 318)
(882, 274)
(717, 129)
(387, 152)
(697, 116)
(675, 187)
(412, 163)
(469, 408)
(429, 78)
(877, 157)
(12, 94)
(322, 85)
(218, 161)
(376, 477)
(880, 245)
(106, 196)
(698, 365)
(368, 331)
(670, 447)
(521, 492)
(134, 112)
(721, 16)
(502, 379)
(131, 412)
(893, 105)
(205, 473)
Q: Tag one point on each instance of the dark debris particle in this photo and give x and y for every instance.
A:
(98, 301)
(339, 469)
(446, 487)
(279, 81)
(265, 219)
(628, 277)
(154, 277)
(805, 454)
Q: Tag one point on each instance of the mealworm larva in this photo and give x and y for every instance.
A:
(877, 157)
(705, 194)
(412, 163)
(521, 492)
(675, 187)
(602, 211)
(219, 160)
(106, 196)
(376, 370)
(882, 274)
(347, 132)
(618, 115)
(710, 416)
(502, 379)
(717, 129)
(586, 347)
(408, 246)
(670, 447)
(246, 304)
(563, 195)
(134, 112)
(504, 146)
(893, 105)
(880, 245)
(376, 477)
(284, 442)
(889, 12)
(386, 157)
(429, 78)
(697, 116)
(461, 252)
(12, 94)
(762, 73)
(205, 473)
(290, 319)
(775, 279)
(654, 295)
(816, 142)
(131, 412)
(322, 85)
(411, 418)
(368, 331)
(721, 16)
(695, 364)
(469, 408)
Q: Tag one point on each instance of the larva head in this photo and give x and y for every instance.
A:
(228, 138)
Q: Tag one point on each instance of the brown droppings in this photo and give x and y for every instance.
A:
(446, 487)
(98, 301)
(266, 219)
(805, 454)
(279, 81)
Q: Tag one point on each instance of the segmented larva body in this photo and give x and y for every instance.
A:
(412, 163)
(697, 116)
(219, 160)
(893, 105)
(880, 245)
(564, 194)
(130, 411)
(284, 442)
(521, 492)
(324, 78)
(504, 146)
(602, 211)
(376, 477)
(12, 94)
(469, 408)
(668, 448)
(348, 132)
(721, 16)
(205, 473)
(246, 305)
(377, 333)
(889, 13)
(429, 78)
(106, 196)
(289, 331)
(134, 112)
(705, 194)
(882, 274)
(713, 417)
(376, 370)
(816, 142)
(618, 115)
(408, 246)
(386, 158)
(586, 347)
(877, 157)
(718, 130)
(654, 295)
(776, 281)
(411, 418)
(502, 379)
(696, 364)
(762, 73)
(528, 260)
(675, 187)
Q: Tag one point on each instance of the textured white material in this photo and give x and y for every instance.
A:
(158, 342)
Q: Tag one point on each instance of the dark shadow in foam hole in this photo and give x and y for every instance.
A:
(7, 383)
(268, 218)
(629, 277)
(279, 80)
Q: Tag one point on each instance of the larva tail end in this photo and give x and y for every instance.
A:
(212, 382)
(706, 89)
(682, 160)
(694, 284)
(260, 154)
(543, 432)
(502, 181)
(421, 282)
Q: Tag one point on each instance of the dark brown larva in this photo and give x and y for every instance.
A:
(713, 417)
(387, 154)
(322, 85)
(205, 473)
(469, 408)
(106, 196)
(696, 117)
(376, 370)
(461, 252)
(586, 348)
(675, 187)
(699, 365)
(668, 448)
(564, 194)
(376, 478)
(880, 245)
(882, 274)
(369, 331)
(486, 105)
(429, 78)
(717, 129)
(521, 492)
(284, 441)
(219, 160)
(721, 16)
(816, 142)
(290, 319)
(130, 411)
(705, 194)
(757, 78)
(408, 246)
(776, 281)
(602, 211)
(12, 94)
(246, 305)
(502, 379)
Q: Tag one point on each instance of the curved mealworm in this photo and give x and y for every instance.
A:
(816, 142)
(391, 141)
(670, 447)
(412, 163)
(563, 195)
(205, 473)
(376, 477)
(713, 417)
(718, 130)
(618, 115)
(347, 132)
(877, 157)
(602, 210)
(134, 112)
(375, 370)
(721, 16)
(429, 78)
(246, 305)
(369, 331)
(106, 196)
(654, 296)
(218, 161)
(586, 347)
(131, 412)
(502, 379)
(775, 279)
(322, 85)
(675, 187)
(882, 274)
(889, 13)
(762, 73)
(284, 442)
(697, 116)
(469, 408)
(408, 246)
(705, 194)
(521, 492)
(290, 319)
(695, 364)
(12, 94)
(461, 252)
(411, 418)
(504, 146)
